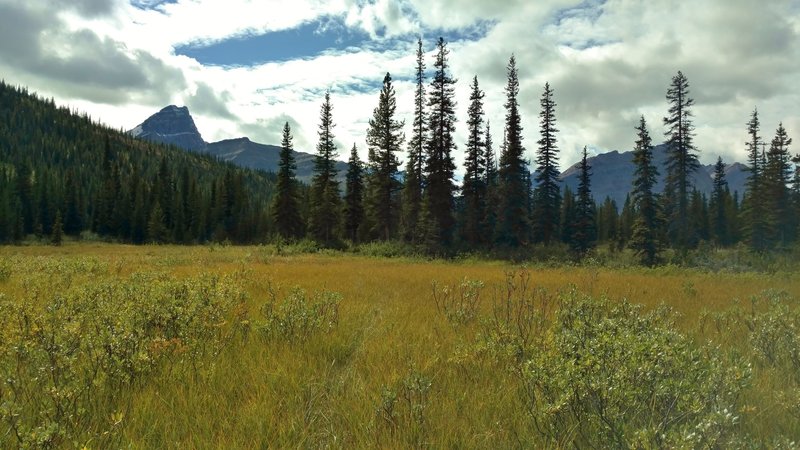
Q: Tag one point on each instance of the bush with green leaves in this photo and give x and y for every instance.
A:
(65, 355)
(613, 375)
(521, 315)
(459, 304)
(774, 325)
(298, 316)
(404, 406)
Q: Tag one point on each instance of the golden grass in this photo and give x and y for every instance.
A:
(327, 391)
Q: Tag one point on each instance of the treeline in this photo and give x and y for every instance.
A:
(503, 205)
(63, 174)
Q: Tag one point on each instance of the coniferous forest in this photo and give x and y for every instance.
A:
(62, 174)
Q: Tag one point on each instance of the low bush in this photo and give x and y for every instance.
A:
(298, 316)
(612, 373)
(65, 355)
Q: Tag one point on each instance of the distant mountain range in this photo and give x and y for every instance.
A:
(612, 175)
(174, 125)
(612, 172)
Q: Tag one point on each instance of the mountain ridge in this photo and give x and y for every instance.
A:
(612, 172)
(174, 125)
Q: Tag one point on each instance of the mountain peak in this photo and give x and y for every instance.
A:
(172, 125)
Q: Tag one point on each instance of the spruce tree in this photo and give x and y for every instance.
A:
(474, 187)
(567, 215)
(777, 173)
(73, 208)
(384, 138)
(546, 197)
(439, 186)
(625, 226)
(490, 162)
(718, 206)
(754, 205)
(57, 233)
(646, 237)
(681, 160)
(698, 215)
(285, 208)
(513, 224)
(156, 230)
(584, 230)
(414, 179)
(140, 210)
(608, 221)
(354, 196)
(325, 214)
(796, 194)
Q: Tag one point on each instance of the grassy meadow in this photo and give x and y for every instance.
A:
(105, 346)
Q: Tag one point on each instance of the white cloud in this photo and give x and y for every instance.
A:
(608, 62)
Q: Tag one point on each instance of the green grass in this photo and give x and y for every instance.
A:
(390, 369)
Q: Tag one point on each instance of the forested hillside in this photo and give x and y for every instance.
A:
(63, 173)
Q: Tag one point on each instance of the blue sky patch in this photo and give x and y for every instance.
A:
(312, 39)
(305, 41)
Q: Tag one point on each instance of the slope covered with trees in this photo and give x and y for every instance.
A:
(57, 164)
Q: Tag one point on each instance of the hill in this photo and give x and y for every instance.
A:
(58, 165)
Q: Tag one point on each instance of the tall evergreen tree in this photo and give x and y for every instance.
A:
(646, 239)
(681, 160)
(546, 197)
(325, 217)
(414, 178)
(625, 226)
(57, 233)
(584, 231)
(607, 219)
(513, 220)
(73, 207)
(384, 138)
(439, 186)
(754, 205)
(156, 230)
(354, 196)
(490, 162)
(140, 211)
(285, 208)
(567, 215)
(698, 215)
(777, 173)
(474, 187)
(720, 232)
(796, 193)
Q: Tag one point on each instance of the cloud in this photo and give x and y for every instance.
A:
(206, 100)
(607, 61)
(271, 131)
(37, 43)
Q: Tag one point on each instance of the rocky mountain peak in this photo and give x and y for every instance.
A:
(172, 125)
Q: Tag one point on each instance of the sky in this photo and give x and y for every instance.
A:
(244, 67)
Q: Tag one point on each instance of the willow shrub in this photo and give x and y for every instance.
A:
(610, 372)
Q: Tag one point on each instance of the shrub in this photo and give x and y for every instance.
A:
(298, 317)
(519, 321)
(458, 304)
(65, 354)
(612, 373)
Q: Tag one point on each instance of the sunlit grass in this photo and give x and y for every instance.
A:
(330, 390)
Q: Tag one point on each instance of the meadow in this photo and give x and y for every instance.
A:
(105, 346)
